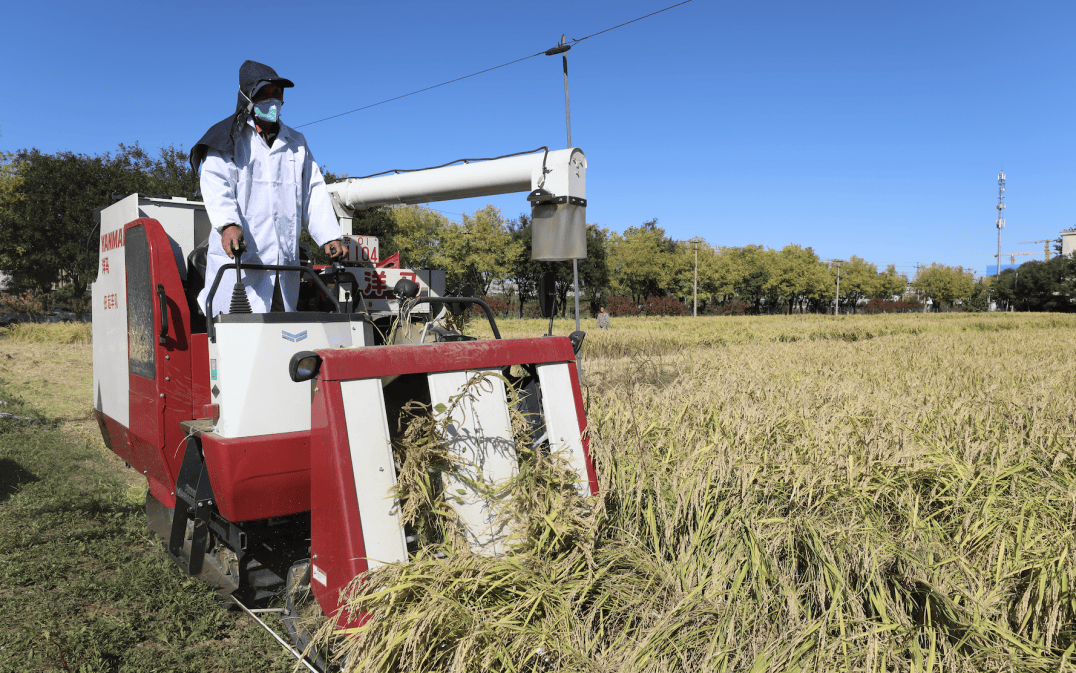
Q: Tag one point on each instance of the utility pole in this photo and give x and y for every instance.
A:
(562, 49)
(837, 298)
(695, 285)
(1001, 217)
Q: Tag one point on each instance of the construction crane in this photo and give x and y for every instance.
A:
(1012, 256)
(1045, 246)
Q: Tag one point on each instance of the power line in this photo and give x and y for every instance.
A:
(445, 212)
(389, 100)
(481, 72)
(632, 21)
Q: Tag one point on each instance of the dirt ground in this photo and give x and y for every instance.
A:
(57, 379)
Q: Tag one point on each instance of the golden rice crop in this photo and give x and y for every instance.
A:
(891, 493)
(655, 336)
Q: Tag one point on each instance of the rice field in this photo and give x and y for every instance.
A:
(891, 493)
(861, 493)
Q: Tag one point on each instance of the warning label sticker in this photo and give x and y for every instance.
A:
(318, 574)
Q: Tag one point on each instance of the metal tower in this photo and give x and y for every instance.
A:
(1001, 216)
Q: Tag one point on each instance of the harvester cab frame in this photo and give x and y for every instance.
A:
(267, 438)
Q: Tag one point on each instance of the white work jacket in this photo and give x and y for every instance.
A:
(270, 192)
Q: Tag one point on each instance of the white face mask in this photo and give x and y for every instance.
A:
(267, 110)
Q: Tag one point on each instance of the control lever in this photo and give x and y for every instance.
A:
(240, 303)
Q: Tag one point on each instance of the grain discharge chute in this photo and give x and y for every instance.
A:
(267, 439)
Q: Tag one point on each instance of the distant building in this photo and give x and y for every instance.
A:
(502, 287)
(1068, 242)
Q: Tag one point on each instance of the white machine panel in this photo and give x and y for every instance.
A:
(374, 471)
(185, 222)
(561, 419)
(481, 441)
(248, 372)
(111, 385)
(187, 226)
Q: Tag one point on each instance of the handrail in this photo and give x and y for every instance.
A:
(211, 326)
(460, 300)
(163, 298)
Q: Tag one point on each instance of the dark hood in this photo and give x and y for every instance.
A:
(221, 136)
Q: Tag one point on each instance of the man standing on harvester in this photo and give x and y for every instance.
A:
(260, 184)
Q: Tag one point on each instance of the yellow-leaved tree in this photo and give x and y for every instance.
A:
(945, 284)
(478, 250)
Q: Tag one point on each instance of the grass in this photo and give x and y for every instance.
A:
(83, 585)
(862, 493)
(48, 333)
(54, 376)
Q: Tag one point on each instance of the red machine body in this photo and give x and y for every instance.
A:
(159, 400)
(263, 483)
(253, 477)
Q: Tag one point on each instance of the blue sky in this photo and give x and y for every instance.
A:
(874, 129)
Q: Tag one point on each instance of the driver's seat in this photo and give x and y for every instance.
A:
(196, 265)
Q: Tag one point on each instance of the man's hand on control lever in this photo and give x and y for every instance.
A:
(333, 249)
(231, 239)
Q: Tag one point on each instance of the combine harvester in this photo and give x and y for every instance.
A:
(266, 439)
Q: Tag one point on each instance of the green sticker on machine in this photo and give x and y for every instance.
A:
(213, 369)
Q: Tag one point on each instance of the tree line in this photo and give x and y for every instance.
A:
(47, 203)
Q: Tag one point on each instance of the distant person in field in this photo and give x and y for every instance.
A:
(261, 185)
(603, 319)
